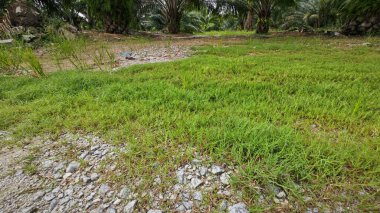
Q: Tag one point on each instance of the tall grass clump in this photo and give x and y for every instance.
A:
(32, 63)
(18, 58)
(103, 58)
(72, 50)
(10, 59)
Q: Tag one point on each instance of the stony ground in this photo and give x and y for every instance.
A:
(69, 175)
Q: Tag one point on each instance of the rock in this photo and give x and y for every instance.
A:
(216, 170)
(225, 178)
(38, 195)
(180, 208)
(111, 210)
(223, 205)
(86, 179)
(154, 211)
(49, 197)
(103, 189)
(6, 41)
(30, 209)
(195, 182)
(83, 155)
(117, 202)
(281, 195)
(29, 38)
(130, 207)
(198, 196)
(238, 208)
(72, 167)
(66, 175)
(53, 204)
(23, 14)
(203, 171)
(124, 192)
(94, 176)
(188, 205)
(180, 175)
(307, 199)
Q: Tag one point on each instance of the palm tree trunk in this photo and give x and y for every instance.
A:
(248, 24)
(264, 13)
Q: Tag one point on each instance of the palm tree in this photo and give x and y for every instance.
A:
(263, 9)
(172, 10)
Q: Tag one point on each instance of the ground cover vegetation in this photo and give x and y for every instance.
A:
(300, 124)
(295, 106)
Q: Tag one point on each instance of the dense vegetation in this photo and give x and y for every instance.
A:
(174, 16)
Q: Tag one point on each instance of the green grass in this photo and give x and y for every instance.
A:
(288, 111)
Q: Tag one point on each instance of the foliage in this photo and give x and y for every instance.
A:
(115, 15)
(17, 58)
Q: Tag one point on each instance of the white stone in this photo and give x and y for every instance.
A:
(130, 207)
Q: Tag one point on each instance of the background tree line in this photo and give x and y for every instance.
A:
(174, 16)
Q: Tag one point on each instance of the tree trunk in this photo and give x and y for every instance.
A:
(174, 25)
(264, 14)
(248, 24)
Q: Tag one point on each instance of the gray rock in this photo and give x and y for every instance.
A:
(30, 209)
(86, 179)
(38, 195)
(130, 206)
(225, 178)
(72, 167)
(216, 170)
(223, 205)
(154, 211)
(66, 175)
(94, 176)
(103, 189)
(111, 210)
(53, 204)
(188, 205)
(83, 155)
(281, 195)
(238, 208)
(47, 163)
(195, 182)
(198, 196)
(6, 41)
(124, 192)
(180, 176)
(180, 208)
(49, 197)
(203, 171)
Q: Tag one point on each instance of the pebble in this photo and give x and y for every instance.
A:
(86, 179)
(203, 171)
(225, 178)
(94, 176)
(72, 167)
(67, 175)
(49, 197)
(281, 195)
(103, 189)
(195, 182)
(38, 195)
(180, 176)
(198, 196)
(124, 192)
(216, 170)
(130, 207)
(238, 208)
(223, 205)
(53, 204)
(154, 211)
(111, 210)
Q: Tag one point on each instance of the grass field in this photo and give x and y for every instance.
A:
(294, 112)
